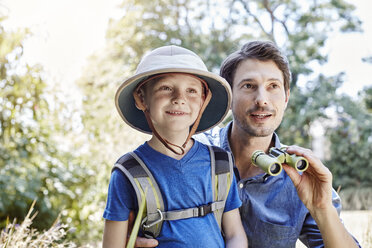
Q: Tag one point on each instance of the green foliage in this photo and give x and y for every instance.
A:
(23, 137)
(299, 28)
(306, 106)
(33, 164)
(367, 59)
(366, 95)
(351, 145)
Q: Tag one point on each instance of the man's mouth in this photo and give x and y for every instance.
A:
(261, 116)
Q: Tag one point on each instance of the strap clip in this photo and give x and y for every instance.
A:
(204, 210)
(161, 218)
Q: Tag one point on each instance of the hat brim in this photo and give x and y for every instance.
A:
(214, 113)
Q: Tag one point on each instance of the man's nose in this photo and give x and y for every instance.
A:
(261, 98)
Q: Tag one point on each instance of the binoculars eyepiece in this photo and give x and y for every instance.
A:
(272, 163)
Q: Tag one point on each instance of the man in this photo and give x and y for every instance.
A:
(276, 210)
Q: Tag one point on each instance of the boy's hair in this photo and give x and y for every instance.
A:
(260, 50)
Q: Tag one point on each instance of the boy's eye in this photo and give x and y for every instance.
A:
(166, 88)
(192, 91)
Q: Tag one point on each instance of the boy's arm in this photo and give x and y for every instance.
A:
(114, 234)
(140, 241)
(233, 229)
(314, 188)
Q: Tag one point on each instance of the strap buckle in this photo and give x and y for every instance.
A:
(161, 218)
(204, 210)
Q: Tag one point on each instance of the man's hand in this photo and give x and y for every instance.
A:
(140, 241)
(314, 186)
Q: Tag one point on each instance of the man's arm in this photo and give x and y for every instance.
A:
(233, 229)
(314, 188)
(114, 234)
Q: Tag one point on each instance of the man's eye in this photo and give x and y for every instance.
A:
(248, 86)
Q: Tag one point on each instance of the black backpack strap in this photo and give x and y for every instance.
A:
(222, 176)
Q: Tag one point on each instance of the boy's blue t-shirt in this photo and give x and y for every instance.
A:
(184, 184)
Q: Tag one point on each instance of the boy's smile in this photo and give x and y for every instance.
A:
(174, 102)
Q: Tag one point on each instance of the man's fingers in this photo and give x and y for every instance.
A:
(316, 167)
(293, 174)
(145, 242)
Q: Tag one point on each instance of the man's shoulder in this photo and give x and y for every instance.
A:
(210, 137)
(213, 136)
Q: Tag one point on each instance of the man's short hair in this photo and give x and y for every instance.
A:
(260, 50)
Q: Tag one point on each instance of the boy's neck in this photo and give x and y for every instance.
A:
(157, 145)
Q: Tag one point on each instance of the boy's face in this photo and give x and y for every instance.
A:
(259, 97)
(174, 102)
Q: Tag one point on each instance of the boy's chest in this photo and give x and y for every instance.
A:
(183, 185)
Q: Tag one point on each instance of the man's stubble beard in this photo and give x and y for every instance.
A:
(253, 131)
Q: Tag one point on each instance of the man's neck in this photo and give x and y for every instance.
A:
(242, 146)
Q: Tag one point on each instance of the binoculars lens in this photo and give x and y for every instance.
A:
(275, 168)
(301, 165)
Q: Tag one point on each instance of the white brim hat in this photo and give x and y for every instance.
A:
(173, 59)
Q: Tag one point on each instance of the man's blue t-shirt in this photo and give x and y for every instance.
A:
(184, 184)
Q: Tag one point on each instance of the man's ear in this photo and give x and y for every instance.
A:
(287, 98)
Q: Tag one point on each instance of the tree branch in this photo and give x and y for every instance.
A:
(245, 5)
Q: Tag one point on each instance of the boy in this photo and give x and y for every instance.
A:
(173, 95)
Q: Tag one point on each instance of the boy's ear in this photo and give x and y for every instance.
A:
(141, 98)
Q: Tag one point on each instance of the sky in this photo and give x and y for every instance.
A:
(67, 32)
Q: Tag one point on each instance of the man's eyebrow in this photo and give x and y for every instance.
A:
(275, 80)
(246, 80)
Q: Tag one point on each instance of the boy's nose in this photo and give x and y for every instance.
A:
(178, 98)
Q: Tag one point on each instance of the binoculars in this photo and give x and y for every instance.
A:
(272, 163)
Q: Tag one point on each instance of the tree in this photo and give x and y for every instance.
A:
(33, 165)
(351, 145)
(366, 95)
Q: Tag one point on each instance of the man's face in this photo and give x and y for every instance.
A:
(259, 97)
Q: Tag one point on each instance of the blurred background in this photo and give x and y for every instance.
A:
(62, 61)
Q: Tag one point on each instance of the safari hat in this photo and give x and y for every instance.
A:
(173, 59)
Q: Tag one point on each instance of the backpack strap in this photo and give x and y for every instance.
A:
(143, 181)
(222, 169)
